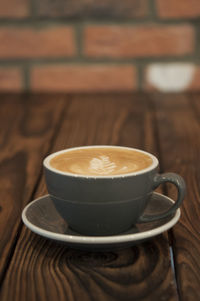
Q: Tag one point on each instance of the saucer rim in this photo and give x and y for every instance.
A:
(81, 239)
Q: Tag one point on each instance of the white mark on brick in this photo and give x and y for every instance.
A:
(173, 77)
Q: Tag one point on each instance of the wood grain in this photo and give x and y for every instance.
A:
(42, 270)
(178, 119)
(26, 133)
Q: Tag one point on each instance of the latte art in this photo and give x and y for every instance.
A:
(101, 161)
(102, 165)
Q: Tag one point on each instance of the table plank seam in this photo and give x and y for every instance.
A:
(164, 187)
(173, 263)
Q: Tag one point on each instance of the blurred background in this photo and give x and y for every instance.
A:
(99, 46)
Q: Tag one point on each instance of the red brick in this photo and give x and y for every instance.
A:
(82, 78)
(195, 84)
(138, 41)
(33, 43)
(10, 79)
(178, 8)
(93, 8)
(14, 8)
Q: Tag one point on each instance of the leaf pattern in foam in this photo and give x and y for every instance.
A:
(102, 165)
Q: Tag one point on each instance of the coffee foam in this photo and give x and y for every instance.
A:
(101, 161)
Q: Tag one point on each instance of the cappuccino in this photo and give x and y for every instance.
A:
(104, 190)
(101, 161)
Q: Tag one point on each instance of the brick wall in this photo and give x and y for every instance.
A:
(107, 45)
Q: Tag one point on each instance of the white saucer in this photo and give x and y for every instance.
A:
(41, 217)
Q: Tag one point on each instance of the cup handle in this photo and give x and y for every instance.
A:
(179, 183)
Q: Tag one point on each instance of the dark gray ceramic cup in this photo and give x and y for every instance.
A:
(107, 205)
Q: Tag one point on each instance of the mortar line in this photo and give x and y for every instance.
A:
(79, 39)
(140, 73)
(87, 60)
(32, 6)
(34, 20)
(26, 78)
(197, 40)
(152, 9)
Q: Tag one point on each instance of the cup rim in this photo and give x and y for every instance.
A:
(46, 163)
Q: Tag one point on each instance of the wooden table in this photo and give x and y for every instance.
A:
(31, 126)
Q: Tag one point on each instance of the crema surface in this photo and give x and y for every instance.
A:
(101, 161)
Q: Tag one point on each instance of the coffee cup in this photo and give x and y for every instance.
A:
(104, 190)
